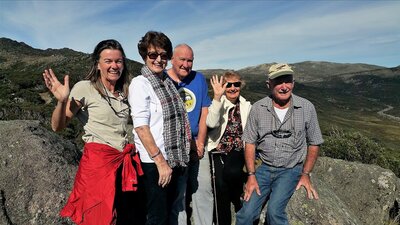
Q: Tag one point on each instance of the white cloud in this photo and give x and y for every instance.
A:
(308, 37)
(223, 34)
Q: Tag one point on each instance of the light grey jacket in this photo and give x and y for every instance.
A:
(217, 119)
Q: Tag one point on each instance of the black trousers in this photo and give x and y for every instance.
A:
(229, 181)
(130, 205)
(159, 200)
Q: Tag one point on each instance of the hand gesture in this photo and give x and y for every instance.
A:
(60, 91)
(251, 185)
(164, 172)
(218, 86)
(200, 149)
(306, 182)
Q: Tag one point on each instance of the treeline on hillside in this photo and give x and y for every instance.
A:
(354, 146)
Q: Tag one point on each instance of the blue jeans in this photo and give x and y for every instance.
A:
(276, 184)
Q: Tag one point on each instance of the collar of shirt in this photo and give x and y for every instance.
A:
(295, 102)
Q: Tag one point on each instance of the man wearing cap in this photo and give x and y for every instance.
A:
(283, 129)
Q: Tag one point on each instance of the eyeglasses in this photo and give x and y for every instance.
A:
(236, 84)
(281, 133)
(122, 113)
(154, 55)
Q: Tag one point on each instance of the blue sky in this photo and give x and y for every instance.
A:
(224, 34)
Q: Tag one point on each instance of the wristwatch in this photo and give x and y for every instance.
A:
(306, 173)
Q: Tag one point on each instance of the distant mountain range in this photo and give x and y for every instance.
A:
(348, 96)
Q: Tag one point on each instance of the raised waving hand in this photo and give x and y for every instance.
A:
(218, 85)
(60, 91)
(65, 109)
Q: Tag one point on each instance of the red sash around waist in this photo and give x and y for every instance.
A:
(92, 197)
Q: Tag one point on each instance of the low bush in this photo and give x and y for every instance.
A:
(354, 146)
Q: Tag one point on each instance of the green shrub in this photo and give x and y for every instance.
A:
(354, 146)
(394, 165)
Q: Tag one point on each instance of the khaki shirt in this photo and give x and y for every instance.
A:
(100, 122)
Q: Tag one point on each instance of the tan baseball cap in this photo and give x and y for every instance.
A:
(278, 70)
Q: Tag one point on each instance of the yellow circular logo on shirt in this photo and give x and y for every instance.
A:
(188, 98)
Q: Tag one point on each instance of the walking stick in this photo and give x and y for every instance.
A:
(213, 178)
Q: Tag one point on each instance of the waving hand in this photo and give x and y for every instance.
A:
(218, 86)
(60, 91)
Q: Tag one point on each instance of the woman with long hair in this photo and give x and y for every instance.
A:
(109, 164)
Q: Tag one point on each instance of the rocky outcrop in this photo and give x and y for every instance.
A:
(37, 169)
(15, 112)
(350, 193)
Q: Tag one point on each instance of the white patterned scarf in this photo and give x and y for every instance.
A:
(177, 134)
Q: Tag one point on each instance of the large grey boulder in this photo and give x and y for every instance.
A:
(350, 193)
(37, 169)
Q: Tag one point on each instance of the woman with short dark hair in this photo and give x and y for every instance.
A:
(161, 131)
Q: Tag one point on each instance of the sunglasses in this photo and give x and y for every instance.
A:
(154, 55)
(123, 112)
(235, 84)
(281, 133)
